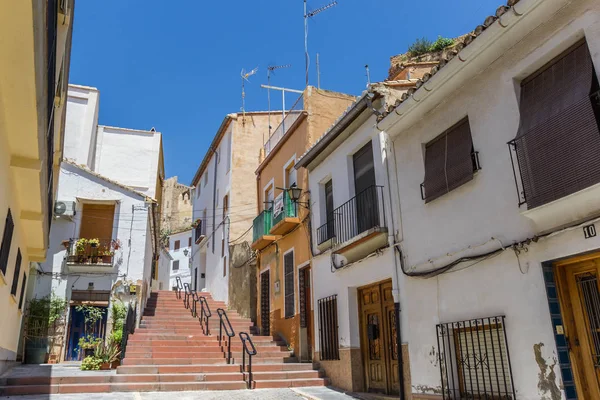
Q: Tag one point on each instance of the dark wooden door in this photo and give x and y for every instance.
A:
(305, 311)
(265, 304)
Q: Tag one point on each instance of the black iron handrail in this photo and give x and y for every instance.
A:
(245, 338)
(187, 295)
(205, 314)
(128, 328)
(195, 300)
(228, 331)
(179, 287)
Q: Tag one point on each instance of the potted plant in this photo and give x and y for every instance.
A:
(115, 244)
(107, 256)
(91, 363)
(89, 344)
(66, 243)
(107, 354)
(80, 247)
(94, 242)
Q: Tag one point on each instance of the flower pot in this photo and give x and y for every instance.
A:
(36, 351)
(94, 245)
(106, 259)
(115, 364)
(88, 352)
(104, 366)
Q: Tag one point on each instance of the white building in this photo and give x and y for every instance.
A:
(104, 239)
(500, 257)
(179, 265)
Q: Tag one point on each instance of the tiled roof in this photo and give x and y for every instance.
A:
(104, 178)
(449, 55)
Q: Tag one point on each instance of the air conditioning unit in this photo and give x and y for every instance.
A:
(64, 209)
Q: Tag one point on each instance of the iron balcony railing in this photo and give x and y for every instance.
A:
(290, 117)
(91, 251)
(199, 231)
(262, 224)
(361, 213)
(289, 208)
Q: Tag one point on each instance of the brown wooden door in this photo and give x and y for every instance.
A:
(377, 324)
(579, 288)
(265, 304)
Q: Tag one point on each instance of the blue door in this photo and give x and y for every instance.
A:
(77, 330)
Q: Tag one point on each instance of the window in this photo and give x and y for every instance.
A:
(288, 265)
(22, 291)
(177, 245)
(289, 174)
(558, 141)
(450, 161)
(198, 191)
(206, 178)
(225, 207)
(9, 227)
(222, 247)
(15, 282)
(225, 266)
(176, 265)
(202, 275)
(328, 328)
(269, 197)
(474, 359)
(190, 241)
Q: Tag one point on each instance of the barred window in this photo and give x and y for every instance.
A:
(288, 264)
(22, 291)
(15, 282)
(176, 265)
(328, 328)
(474, 359)
(9, 227)
(450, 161)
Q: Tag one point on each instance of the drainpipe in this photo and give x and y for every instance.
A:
(389, 153)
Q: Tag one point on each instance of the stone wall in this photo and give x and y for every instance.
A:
(242, 280)
(176, 213)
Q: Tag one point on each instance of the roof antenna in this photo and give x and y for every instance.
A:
(318, 73)
(368, 75)
(272, 69)
(308, 15)
(245, 75)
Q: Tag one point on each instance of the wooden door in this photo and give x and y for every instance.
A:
(377, 336)
(265, 304)
(305, 303)
(579, 289)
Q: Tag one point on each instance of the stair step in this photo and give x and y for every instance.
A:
(177, 369)
(288, 383)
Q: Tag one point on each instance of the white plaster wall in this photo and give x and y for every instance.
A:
(212, 262)
(132, 261)
(129, 156)
(81, 122)
(482, 209)
(184, 271)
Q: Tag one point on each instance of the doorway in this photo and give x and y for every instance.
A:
(379, 347)
(77, 331)
(364, 180)
(306, 320)
(579, 293)
(265, 304)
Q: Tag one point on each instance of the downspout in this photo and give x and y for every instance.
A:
(385, 139)
(214, 205)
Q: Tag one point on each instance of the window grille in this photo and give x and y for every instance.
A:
(176, 265)
(328, 328)
(9, 227)
(15, 282)
(474, 359)
(288, 261)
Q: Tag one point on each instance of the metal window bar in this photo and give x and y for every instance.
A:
(361, 213)
(290, 117)
(328, 328)
(590, 300)
(205, 314)
(246, 339)
(225, 325)
(474, 359)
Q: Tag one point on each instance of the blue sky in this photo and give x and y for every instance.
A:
(176, 64)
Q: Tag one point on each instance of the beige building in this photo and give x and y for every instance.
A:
(35, 48)
(280, 231)
(176, 213)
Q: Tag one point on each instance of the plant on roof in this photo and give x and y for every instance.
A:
(441, 43)
(419, 47)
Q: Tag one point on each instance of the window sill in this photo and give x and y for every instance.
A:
(566, 210)
(13, 299)
(2, 280)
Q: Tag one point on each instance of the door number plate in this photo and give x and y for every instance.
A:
(589, 231)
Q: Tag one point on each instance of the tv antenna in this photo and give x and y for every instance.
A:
(308, 15)
(272, 69)
(368, 75)
(245, 75)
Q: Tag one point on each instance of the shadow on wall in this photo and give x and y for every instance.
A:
(242, 280)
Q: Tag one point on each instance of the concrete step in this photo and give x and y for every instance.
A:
(177, 369)
(288, 383)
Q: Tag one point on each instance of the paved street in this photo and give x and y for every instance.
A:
(316, 393)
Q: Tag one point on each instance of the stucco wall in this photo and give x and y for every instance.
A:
(184, 271)
(485, 208)
(81, 120)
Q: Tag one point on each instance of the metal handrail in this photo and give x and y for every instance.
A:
(188, 292)
(179, 287)
(205, 314)
(229, 332)
(245, 338)
(128, 327)
(194, 297)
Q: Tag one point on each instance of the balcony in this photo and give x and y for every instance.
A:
(288, 121)
(91, 255)
(357, 227)
(199, 231)
(261, 230)
(285, 215)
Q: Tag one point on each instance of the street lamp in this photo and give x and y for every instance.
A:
(185, 252)
(294, 192)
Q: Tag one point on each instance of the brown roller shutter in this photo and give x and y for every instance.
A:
(97, 221)
(558, 143)
(448, 161)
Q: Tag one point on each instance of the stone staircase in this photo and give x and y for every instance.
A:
(169, 352)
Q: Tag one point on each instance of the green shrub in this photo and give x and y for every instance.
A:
(91, 363)
(116, 336)
(441, 43)
(419, 47)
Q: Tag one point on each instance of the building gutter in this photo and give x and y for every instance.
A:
(469, 61)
